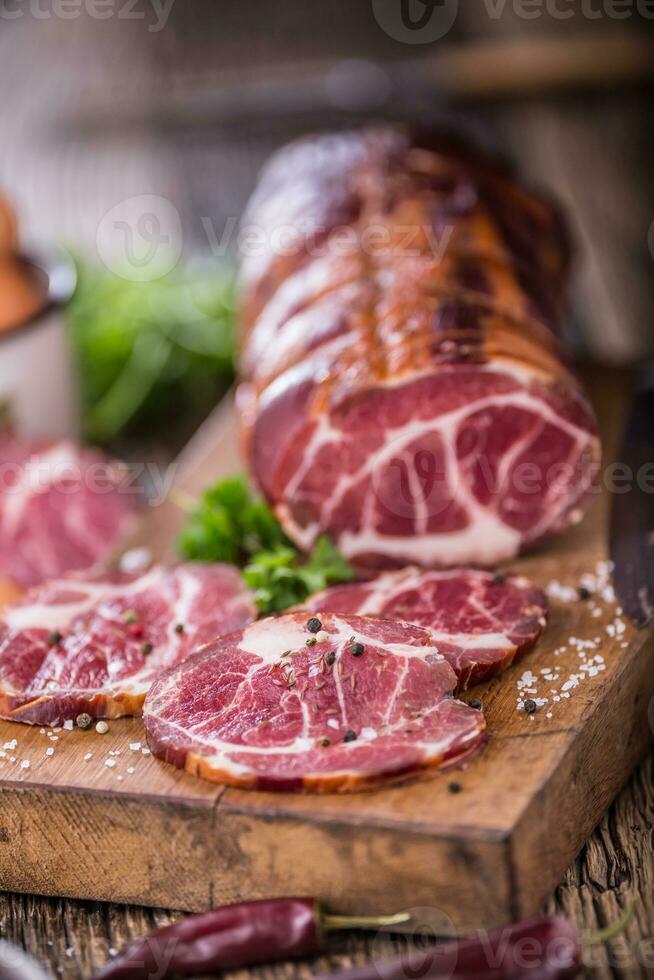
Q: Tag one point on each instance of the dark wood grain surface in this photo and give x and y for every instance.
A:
(72, 146)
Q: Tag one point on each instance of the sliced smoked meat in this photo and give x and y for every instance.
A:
(480, 622)
(94, 642)
(367, 701)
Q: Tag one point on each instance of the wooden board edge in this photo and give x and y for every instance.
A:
(175, 856)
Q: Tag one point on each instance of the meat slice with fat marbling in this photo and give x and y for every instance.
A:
(480, 622)
(370, 700)
(95, 642)
(62, 508)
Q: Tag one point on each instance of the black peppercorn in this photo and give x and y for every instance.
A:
(530, 706)
(314, 624)
(454, 787)
(475, 703)
(350, 736)
(357, 649)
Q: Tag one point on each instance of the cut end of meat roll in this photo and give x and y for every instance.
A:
(291, 704)
(481, 623)
(94, 642)
(405, 392)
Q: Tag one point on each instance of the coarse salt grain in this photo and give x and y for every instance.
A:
(110, 763)
(68, 725)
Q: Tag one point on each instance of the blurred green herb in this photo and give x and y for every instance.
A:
(153, 356)
(230, 524)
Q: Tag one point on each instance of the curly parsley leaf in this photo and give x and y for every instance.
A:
(230, 524)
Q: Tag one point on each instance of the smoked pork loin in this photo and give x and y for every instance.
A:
(404, 389)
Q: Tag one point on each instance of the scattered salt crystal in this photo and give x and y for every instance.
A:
(69, 951)
(332, 723)
(41, 731)
(25, 764)
(110, 763)
(135, 746)
(49, 751)
(130, 770)
(145, 751)
(89, 755)
(56, 730)
(68, 725)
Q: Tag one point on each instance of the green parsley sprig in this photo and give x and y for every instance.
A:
(230, 524)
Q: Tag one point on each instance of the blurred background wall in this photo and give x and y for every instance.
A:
(107, 100)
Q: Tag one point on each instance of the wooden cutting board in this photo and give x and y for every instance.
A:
(94, 817)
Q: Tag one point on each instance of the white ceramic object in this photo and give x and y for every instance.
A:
(37, 373)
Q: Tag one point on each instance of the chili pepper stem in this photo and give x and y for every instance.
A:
(363, 921)
(610, 932)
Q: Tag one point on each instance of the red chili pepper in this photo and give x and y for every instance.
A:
(286, 928)
(540, 949)
(234, 936)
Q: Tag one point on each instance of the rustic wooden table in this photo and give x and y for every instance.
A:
(83, 129)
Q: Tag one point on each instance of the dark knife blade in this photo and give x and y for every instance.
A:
(631, 533)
